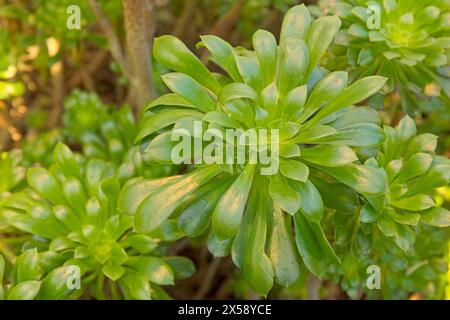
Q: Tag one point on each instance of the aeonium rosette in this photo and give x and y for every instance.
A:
(414, 172)
(265, 210)
(407, 41)
(70, 212)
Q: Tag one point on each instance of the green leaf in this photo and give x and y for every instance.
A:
(438, 217)
(65, 159)
(223, 55)
(182, 267)
(142, 243)
(163, 119)
(26, 290)
(135, 191)
(415, 203)
(320, 36)
(282, 250)
(369, 214)
(154, 269)
(312, 204)
(161, 203)
(404, 218)
(221, 119)
(437, 176)
(236, 91)
(325, 90)
(2, 268)
(172, 53)
(387, 226)
(363, 179)
(257, 267)
(358, 91)
(265, 46)
(357, 135)
(190, 90)
(45, 184)
(96, 171)
(329, 155)
(250, 72)
(425, 142)
(417, 165)
(293, 169)
(196, 215)
(74, 194)
(169, 99)
(296, 23)
(217, 247)
(113, 272)
(292, 65)
(269, 99)
(227, 215)
(135, 285)
(241, 240)
(284, 195)
(26, 267)
(404, 237)
(293, 103)
(54, 286)
(406, 130)
(313, 246)
(159, 150)
(289, 150)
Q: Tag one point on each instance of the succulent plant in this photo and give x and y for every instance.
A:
(252, 214)
(28, 281)
(37, 149)
(420, 270)
(406, 41)
(84, 113)
(71, 211)
(107, 135)
(12, 172)
(408, 214)
(414, 172)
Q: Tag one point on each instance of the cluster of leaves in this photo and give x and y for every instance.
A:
(349, 191)
(104, 133)
(268, 222)
(251, 215)
(27, 282)
(422, 269)
(361, 225)
(71, 211)
(404, 40)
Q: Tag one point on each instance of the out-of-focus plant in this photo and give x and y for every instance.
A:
(11, 171)
(420, 270)
(106, 134)
(408, 208)
(38, 149)
(28, 282)
(71, 210)
(406, 41)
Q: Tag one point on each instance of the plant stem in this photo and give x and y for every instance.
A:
(139, 26)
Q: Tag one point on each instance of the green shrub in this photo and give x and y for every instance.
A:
(71, 211)
(410, 46)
